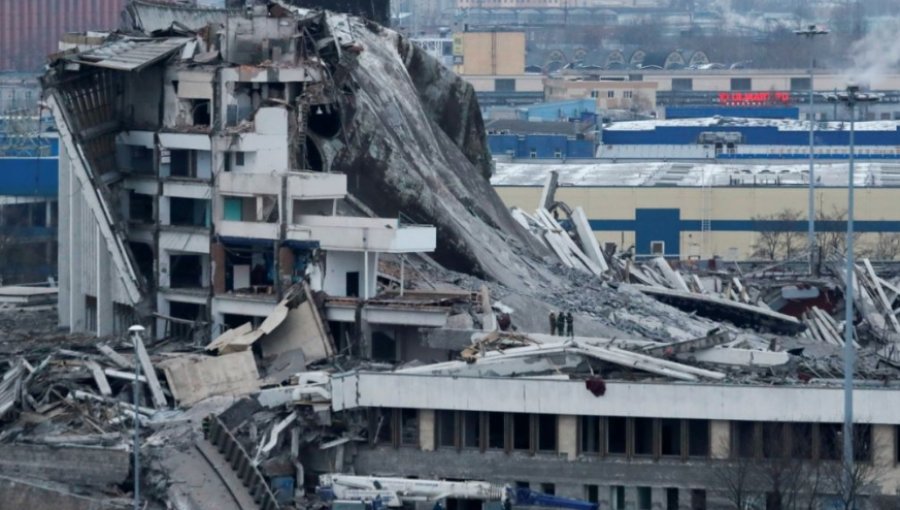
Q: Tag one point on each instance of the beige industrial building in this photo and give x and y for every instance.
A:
(610, 94)
(694, 211)
(489, 53)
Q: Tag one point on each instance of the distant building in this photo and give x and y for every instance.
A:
(489, 53)
(581, 110)
(637, 96)
(730, 139)
(520, 139)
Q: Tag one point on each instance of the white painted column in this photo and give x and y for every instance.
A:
(426, 430)
(567, 435)
(104, 294)
(884, 448)
(365, 275)
(63, 239)
(77, 227)
(720, 439)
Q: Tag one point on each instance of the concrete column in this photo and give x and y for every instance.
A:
(684, 498)
(567, 435)
(426, 430)
(884, 446)
(658, 498)
(75, 248)
(104, 291)
(630, 497)
(720, 439)
(63, 240)
(603, 496)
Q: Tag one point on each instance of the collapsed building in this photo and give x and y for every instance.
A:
(296, 204)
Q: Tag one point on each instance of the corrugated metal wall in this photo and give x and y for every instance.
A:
(31, 29)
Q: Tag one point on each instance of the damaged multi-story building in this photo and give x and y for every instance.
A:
(193, 186)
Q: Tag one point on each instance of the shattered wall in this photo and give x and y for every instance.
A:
(376, 10)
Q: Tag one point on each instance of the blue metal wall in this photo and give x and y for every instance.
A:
(559, 110)
(753, 135)
(29, 177)
(656, 225)
(762, 112)
(544, 145)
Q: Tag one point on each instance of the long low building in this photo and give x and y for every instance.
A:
(701, 211)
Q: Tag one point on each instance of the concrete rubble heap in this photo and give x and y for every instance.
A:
(246, 416)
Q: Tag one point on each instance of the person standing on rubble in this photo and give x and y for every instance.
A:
(552, 324)
(561, 323)
(570, 332)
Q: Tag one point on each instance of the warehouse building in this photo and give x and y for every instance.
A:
(700, 211)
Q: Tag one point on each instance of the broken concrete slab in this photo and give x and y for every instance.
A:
(194, 377)
(77, 465)
(24, 493)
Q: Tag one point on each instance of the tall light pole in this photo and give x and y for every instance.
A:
(136, 331)
(851, 98)
(810, 32)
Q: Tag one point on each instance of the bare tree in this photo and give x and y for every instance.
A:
(778, 236)
(886, 246)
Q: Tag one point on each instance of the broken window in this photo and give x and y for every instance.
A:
(201, 113)
(384, 348)
(446, 428)
(643, 436)
(324, 120)
(144, 258)
(616, 436)
(471, 429)
(140, 207)
(409, 427)
(698, 438)
(521, 431)
(590, 434)
(188, 212)
(744, 439)
(384, 430)
(546, 432)
(187, 311)
(249, 269)
(186, 271)
(671, 437)
(496, 429)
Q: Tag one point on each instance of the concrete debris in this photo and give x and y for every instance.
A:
(195, 377)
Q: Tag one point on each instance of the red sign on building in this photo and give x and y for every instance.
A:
(753, 98)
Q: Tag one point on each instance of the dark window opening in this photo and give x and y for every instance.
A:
(671, 498)
(548, 488)
(352, 283)
(801, 440)
(140, 207)
(471, 429)
(384, 348)
(144, 259)
(698, 438)
(547, 432)
(238, 159)
(505, 85)
(741, 84)
(446, 429)
(616, 434)
(829, 441)
(188, 212)
(773, 440)
(684, 84)
(409, 427)
(186, 272)
(54, 214)
(744, 433)
(590, 434)
(16, 215)
(496, 431)
(183, 163)
(644, 498)
(187, 311)
(231, 320)
(463, 504)
(643, 436)
(592, 493)
(140, 159)
(670, 430)
(324, 120)
(521, 423)
(862, 442)
(800, 84)
(200, 112)
(698, 499)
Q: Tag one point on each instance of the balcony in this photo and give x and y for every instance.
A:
(349, 233)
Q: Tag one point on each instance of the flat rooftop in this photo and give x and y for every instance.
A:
(782, 124)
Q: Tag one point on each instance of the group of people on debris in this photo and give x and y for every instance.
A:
(561, 324)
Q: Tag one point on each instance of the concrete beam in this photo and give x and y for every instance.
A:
(77, 465)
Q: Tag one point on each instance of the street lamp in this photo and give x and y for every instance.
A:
(136, 332)
(851, 98)
(810, 32)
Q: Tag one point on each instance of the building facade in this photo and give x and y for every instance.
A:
(207, 211)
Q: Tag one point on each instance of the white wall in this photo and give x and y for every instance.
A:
(332, 278)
